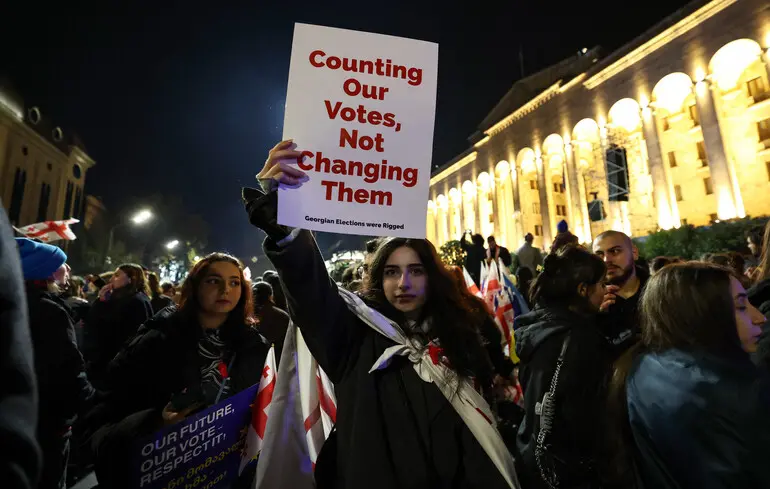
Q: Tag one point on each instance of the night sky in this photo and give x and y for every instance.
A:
(187, 99)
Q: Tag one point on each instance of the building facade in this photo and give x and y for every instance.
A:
(42, 166)
(671, 129)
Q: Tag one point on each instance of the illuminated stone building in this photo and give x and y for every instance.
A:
(671, 129)
(42, 166)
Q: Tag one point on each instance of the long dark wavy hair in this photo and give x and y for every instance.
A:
(243, 313)
(453, 319)
(153, 282)
(138, 281)
(686, 306)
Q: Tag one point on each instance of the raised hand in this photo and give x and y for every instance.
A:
(281, 165)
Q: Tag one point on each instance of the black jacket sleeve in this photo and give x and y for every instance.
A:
(493, 344)
(332, 332)
(21, 460)
(62, 382)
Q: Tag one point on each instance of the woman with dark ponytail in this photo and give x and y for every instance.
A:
(693, 408)
(564, 366)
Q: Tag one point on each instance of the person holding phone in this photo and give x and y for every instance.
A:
(183, 360)
(123, 305)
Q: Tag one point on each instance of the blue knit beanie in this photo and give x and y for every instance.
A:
(39, 260)
(562, 227)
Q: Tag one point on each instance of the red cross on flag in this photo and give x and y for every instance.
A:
(260, 412)
(48, 231)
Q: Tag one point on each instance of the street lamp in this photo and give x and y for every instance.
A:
(172, 244)
(139, 218)
(142, 217)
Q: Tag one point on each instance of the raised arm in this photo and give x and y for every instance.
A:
(331, 331)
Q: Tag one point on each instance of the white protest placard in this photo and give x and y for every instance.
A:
(361, 107)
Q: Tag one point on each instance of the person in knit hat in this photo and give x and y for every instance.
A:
(564, 237)
(40, 261)
(63, 388)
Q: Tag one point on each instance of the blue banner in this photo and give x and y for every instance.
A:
(201, 452)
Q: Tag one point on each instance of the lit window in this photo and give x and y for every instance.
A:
(701, 147)
(694, 114)
(757, 89)
(672, 159)
(763, 128)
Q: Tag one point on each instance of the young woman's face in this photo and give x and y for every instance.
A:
(747, 317)
(404, 281)
(119, 279)
(62, 275)
(220, 290)
(594, 294)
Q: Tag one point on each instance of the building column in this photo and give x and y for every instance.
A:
(517, 215)
(573, 192)
(545, 201)
(662, 189)
(584, 206)
(497, 226)
(721, 180)
(461, 211)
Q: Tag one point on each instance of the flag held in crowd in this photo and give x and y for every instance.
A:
(49, 231)
(472, 287)
(260, 413)
(302, 413)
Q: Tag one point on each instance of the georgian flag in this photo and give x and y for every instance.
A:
(48, 231)
(491, 286)
(470, 284)
(304, 409)
(260, 410)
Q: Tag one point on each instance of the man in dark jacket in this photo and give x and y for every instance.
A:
(63, 387)
(474, 255)
(20, 462)
(495, 252)
(619, 321)
(273, 322)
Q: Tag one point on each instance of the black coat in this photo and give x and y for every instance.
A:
(109, 326)
(474, 255)
(273, 323)
(620, 324)
(160, 302)
(63, 387)
(580, 392)
(21, 459)
(163, 360)
(393, 429)
(699, 421)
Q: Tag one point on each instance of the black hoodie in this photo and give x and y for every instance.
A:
(576, 432)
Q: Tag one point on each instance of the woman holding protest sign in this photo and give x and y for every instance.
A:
(404, 358)
(180, 362)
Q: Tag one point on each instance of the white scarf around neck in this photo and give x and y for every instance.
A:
(468, 403)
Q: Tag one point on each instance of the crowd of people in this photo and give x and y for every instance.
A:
(633, 374)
